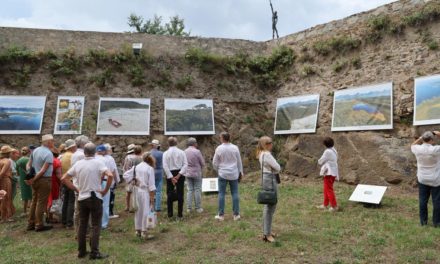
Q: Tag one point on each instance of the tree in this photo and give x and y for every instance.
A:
(175, 27)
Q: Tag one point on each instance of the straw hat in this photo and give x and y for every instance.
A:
(155, 142)
(69, 143)
(46, 137)
(5, 149)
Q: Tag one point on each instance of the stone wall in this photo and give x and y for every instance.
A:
(375, 157)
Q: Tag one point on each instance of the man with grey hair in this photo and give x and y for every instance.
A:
(193, 175)
(428, 175)
(42, 161)
(227, 163)
(174, 166)
(88, 173)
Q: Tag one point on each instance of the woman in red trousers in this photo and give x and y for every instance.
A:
(329, 170)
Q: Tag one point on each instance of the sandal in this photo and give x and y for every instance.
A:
(268, 239)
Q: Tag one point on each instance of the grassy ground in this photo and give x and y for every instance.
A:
(390, 234)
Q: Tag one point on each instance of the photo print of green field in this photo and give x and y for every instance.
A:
(427, 100)
(365, 108)
(189, 117)
(297, 114)
(69, 115)
(123, 116)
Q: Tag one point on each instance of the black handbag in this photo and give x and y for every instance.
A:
(266, 197)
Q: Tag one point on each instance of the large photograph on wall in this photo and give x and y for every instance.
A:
(364, 108)
(427, 100)
(123, 116)
(69, 115)
(297, 114)
(21, 114)
(189, 117)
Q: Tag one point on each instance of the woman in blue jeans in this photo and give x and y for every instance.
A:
(269, 167)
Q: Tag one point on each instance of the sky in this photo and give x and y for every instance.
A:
(238, 19)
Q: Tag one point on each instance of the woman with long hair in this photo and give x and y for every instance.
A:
(143, 177)
(269, 168)
(7, 209)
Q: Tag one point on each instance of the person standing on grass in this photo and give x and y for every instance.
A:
(42, 161)
(87, 173)
(227, 163)
(7, 209)
(158, 173)
(26, 190)
(143, 176)
(175, 166)
(56, 184)
(330, 172)
(80, 142)
(269, 167)
(134, 157)
(428, 175)
(15, 155)
(114, 169)
(68, 194)
(196, 162)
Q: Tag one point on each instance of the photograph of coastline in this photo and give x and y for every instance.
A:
(69, 115)
(123, 116)
(189, 117)
(297, 114)
(21, 114)
(365, 108)
(427, 100)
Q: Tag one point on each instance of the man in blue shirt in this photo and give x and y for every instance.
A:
(42, 161)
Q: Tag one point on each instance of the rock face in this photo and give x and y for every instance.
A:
(241, 107)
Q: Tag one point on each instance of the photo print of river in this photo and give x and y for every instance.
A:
(427, 100)
(21, 114)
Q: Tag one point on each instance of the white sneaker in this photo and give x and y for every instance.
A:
(113, 216)
(219, 217)
(321, 206)
(200, 210)
(333, 209)
(237, 217)
(188, 211)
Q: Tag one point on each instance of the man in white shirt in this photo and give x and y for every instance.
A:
(227, 163)
(428, 175)
(88, 173)
(175, 166)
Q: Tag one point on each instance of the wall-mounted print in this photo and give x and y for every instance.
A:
(427, 100)
(21, 114)
(69, 115)
(297, 114)
(123, 116)
(189, 117)
(365, 108)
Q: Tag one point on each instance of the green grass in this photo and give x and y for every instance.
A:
(390, 234)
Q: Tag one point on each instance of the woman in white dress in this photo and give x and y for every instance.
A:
(143, 176)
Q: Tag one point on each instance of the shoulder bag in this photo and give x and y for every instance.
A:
(266, 197)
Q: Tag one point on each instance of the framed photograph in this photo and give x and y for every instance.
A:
(297, 114)
(427, 100)
(21, 114)
(123, 116)
(364, 108)
(69, 115)
(189, 117)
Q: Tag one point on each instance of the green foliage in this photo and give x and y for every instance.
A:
(248, 120)
(339, 65)
(104, 78)
(429, 13)
(15, 54)
(175, 27)
(356, 63)
(426, 37)
(137, 75)
(21, 76)
(184, 82)
(433, 45)
(379, 23)
(164, 78)
(342, 44)
(307, 70)
(406, 120)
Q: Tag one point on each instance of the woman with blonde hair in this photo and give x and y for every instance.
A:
(7, 209)
(143, 177)
(269, 168)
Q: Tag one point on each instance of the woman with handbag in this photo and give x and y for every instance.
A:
(144, 179)
(329, 170)
(269, 170)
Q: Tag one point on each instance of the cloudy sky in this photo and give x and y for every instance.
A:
(243, 19)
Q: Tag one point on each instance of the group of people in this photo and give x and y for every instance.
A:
(86, 175)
